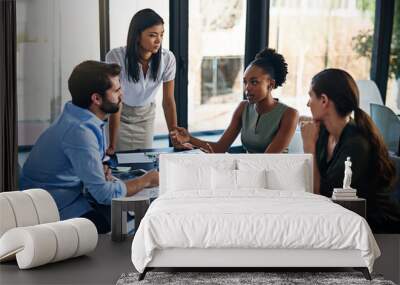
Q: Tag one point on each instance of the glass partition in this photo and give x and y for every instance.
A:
(393, 87)
(216, 53)
(52, 37)
(313, 35)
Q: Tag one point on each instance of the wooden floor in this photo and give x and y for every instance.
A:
(102, 266)
(110, 259)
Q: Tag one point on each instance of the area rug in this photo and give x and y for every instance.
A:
(225, 278)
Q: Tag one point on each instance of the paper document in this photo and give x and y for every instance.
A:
(126, 158)
(146, 193)
(192, 151)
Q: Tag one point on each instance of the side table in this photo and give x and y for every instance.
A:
(357, 205)
(138, 203)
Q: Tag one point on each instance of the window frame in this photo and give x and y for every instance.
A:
(383, 28)
(256, 38)
(256, 21)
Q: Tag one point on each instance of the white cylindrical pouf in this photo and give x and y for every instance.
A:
(23, 207)
(45, 205)
(7, 217)
(33, 246)
(87, 235)
(67, 239)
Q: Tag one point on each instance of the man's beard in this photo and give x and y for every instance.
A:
(109, 107)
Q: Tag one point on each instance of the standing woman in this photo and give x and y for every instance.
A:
(145, 67)
(334, 135)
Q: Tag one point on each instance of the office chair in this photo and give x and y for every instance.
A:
(369, 93)
(396, 187)
(388, 124)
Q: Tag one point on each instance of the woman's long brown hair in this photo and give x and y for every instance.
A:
(340, 87)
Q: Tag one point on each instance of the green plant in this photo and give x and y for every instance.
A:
(363, 42)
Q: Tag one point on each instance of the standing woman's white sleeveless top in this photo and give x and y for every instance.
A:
(138, 100)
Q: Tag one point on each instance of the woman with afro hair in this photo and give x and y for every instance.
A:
(266, 125)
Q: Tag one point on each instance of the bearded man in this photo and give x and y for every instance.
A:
(67, 159)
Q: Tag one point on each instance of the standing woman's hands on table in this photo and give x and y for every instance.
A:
(110, 150)
(107, 172)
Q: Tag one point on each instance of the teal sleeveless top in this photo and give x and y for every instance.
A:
(258, 131)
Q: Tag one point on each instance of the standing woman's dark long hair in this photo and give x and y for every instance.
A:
(341, 88)
(142, 20)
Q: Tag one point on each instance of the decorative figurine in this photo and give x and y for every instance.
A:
(347, 174)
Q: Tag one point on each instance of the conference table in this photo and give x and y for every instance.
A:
(150, 152)
(125, 166)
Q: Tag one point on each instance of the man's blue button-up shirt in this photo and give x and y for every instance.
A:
(67, 158)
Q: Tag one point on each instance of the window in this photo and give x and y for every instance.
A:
(121, 13)
(313, 35)
(52, 37)
(393, 90)
(216, 52)
(218, 78)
